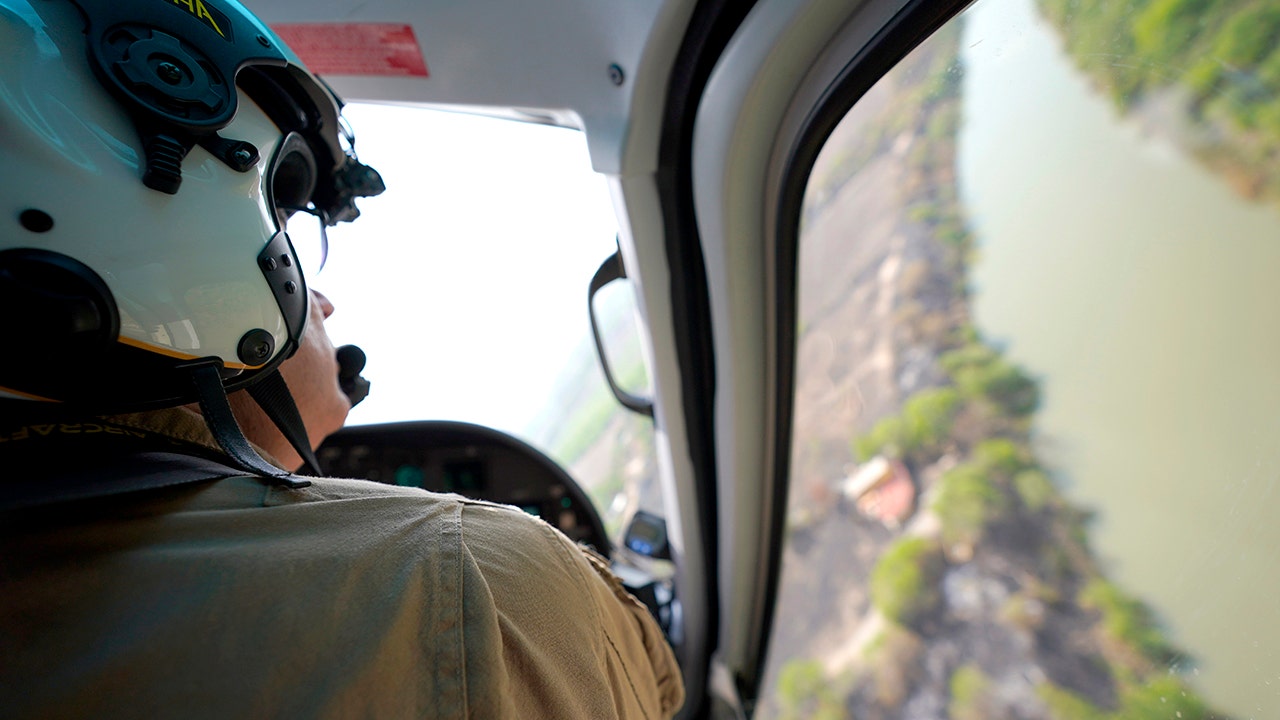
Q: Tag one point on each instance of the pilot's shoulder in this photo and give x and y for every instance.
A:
(563, 599)
(503, 539)
(328, 489)
(534, 576)
(499, 538)
(571, 640)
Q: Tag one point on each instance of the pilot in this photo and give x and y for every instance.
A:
(165, 362)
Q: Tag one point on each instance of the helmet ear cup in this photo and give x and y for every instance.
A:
(58, 311)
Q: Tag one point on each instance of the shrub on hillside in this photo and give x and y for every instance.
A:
(966, 503)
(904, 583)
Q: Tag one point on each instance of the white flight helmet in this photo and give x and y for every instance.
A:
(149, 153)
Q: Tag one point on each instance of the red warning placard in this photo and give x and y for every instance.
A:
(355, 48)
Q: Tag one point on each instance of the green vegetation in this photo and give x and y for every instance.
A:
(986, 386)
(1162, 698)
(1035, 489)
(967, 502)
(1127, 623)
(927, 416)
(888, 437)
(894, 658)
(1001, 458)
(920, 431)
(904, 583)
(980, 371)
(974, 494)
(805, 692)
(985, 415)
(1147, 45)
(1164, 30)
(1225, 55)
(970, 694)
(1066, 705)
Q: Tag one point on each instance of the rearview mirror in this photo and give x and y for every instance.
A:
(617, 320)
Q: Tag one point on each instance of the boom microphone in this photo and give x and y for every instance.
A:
(351, 361)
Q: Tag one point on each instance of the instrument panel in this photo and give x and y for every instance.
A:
(471, 460)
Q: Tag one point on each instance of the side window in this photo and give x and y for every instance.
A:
(1035, 452)
(466, 284)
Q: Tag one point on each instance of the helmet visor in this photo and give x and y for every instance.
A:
(306, 230)
(292, 182)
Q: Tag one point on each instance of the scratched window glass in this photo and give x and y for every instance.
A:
(1034, 458)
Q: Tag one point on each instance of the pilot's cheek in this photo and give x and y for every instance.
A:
(312, 376)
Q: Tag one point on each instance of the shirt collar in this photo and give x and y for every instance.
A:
(180, 423)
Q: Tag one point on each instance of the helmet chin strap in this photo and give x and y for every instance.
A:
(273, 396)
(227, 433)
(271, 393)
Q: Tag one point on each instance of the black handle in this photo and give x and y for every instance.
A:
(611, 269)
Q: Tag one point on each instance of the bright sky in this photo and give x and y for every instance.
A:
(466, 282)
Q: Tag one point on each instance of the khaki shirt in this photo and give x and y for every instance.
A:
(233, 599)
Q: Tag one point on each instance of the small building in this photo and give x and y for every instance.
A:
(881, 489)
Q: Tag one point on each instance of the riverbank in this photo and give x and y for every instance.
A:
(1117, 277)
(990, 603)
(1204, 75)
